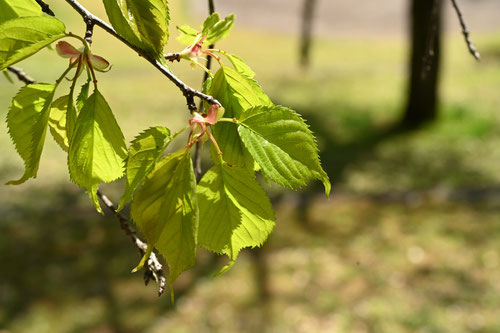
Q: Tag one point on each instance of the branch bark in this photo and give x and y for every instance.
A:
(45, 8)
(154, 268)
(465, 31)
(188, 92)
(173, 57)
(21, 75)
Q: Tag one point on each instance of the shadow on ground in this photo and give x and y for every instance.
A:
(64, 263)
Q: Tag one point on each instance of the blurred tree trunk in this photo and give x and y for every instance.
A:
(306, 34)
(425, 24)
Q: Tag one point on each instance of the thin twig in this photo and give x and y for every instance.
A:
(154, 268)
(187, 91)
(173, 57)
(197, 154)
(45, 8)
(89, 31)
(21, 75)
(465, 31)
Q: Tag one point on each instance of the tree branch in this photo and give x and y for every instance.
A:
(21, 75)
(188, 92)
(173, 57)
(89, 31)
(45, 8)
(154, 268)
(465, 31)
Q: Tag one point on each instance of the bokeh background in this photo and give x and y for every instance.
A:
(409, 241)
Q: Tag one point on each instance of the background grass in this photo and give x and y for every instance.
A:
(407, 244)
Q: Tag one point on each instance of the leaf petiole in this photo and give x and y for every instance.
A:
(180, 131)
(92, 72)
(230, 120)
(84, 42)
(63, 75)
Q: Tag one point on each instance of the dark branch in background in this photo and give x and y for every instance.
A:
(21, 75)
(154, 268)
(188, 92)
(465, 31)
(431, 39)
(211, 7)
(306, 32)
(211, 10)
(45, 8)
(197, 154)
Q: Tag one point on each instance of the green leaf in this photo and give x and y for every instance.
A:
(10, 9)
(214, 28)
(165, 209)
(57, 121)
(207, 85)
(71, 117)
(72, 112)
(187, 34)
(83, 95)
(235, 212)
(237, 93)
(238, 64)
(143, 23)
(143, 153)
(220, 29)
(97, 147)
(210, 21)
(205, 88)
(23, 37)
(27, 122)
(282, 144)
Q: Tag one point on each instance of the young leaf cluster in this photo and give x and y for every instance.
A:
(227, 210)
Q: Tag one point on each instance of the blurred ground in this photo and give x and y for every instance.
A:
(408, 243)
